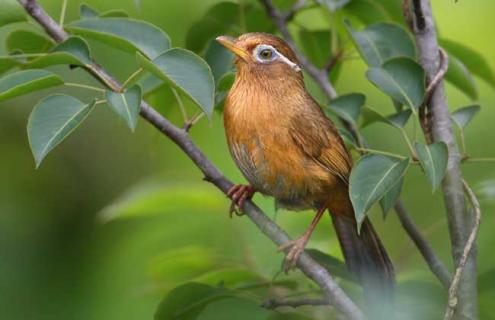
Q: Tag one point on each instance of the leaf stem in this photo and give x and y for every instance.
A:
(181, 105)
(463, 142)
(385, 153)
(24, 55)
(469, 159)
(62, 12)
(131, 78)
(84, 86)
(409, 144)
(195, 119)
(101, 101)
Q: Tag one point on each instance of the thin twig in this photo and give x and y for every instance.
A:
(442, 70)
(293, 303)
(132, 77)
(334, 294)
(454, 286)
(385, 153)
(195, 119)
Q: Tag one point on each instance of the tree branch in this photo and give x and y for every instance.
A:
(441, 130)
(334, 294)
(293, 303)
(321, 78)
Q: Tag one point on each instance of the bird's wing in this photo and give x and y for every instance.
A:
(318, 137)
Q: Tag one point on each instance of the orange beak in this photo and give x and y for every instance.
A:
(230, 43)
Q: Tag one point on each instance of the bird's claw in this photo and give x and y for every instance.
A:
(239, 194)
(296, 248)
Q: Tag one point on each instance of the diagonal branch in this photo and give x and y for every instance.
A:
(321, 78)
(334, 294)
(293, 303)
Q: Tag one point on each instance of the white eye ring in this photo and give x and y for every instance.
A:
(275, 56)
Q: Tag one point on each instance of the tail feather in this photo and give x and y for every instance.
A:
(366, 257)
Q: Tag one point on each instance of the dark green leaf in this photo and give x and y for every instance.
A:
(73, 51)
(7, 63)
(391, 197)
(474, 61)
(333, 5)
(459, 76)
(185, 71)
(381, 42)
(399, 119)
(348, 138)
(433, 159)
(22, 82)
(371, 178)
(402, 79)
(123, 33)
(126, 105)
(370, 116)
(368, 11)
(28, 42)
(188, 300)
(464, 115)
(219, 58)
(317, 45)
(115, 13)
(347, 106)
(223, 87)
(335, 266)
(52, 120)
(11, 12)
(85, 12)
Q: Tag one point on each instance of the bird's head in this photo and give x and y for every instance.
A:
(261, 52)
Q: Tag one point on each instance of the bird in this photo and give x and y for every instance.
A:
(287, 148)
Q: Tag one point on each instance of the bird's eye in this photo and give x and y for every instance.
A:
(266, 54)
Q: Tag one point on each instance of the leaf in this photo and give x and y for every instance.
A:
(219, 59)
(11, 12)
(73, 51)
(458, 75)
(316, 45)
(402, 79)
(381, 42)
(188, 300)
(371, 178)
(86, 12)
(185, 71)
(336, 267)
(28, 42)
(391, 197)
(464, 115)
(333, 5)
(126, 105)
(399, 119)
(22, 82)
(433, 159)
(151, 198)
(52, 120)
(370, 11)
(474, 61)
(347, 106)
(370, 116)
(124, 33)
(7, 63)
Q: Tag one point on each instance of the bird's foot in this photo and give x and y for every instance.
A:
(296, 248)
(239, 193)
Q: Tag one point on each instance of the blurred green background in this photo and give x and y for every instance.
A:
(61, 259)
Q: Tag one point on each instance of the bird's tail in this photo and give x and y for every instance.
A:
(366, 257)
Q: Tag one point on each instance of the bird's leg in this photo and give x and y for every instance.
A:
(239, 193)
(297, 246)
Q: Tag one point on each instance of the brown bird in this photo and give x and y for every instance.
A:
(287, 148)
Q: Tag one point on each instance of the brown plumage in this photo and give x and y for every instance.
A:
(287, 148)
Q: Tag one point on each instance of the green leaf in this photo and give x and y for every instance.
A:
(52, 120)
(370, 116)
(316, 45)
(126, 105)
(7, 63)
(369, 11)
(458, 75)
(391, 197)
(333, 5)
(336, 267)
(433, 159)
(185, 71)
(86, 12)
(402, 79)
(28, 42)
(115, 13)
(381, 42)
(151, 198)
(188, 300)
(11, 12)
(123, 33)
(464, 115)
(223, 87)
(399, 119)
(347, 106)
(474, 61)
(219, 59)
(371, 178)
(73, 51)
(22, 82)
